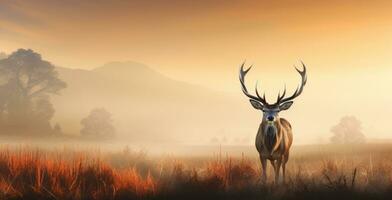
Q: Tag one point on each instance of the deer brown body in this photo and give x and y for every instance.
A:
(277, 149)
(274, 137)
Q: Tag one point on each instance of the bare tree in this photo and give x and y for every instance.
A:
(98, 124)
(26, 83)
(348, 130)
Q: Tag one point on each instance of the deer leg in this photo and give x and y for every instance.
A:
(285, 159)
(277, 169)
(273, 164)
(284, 172)
(264, 170)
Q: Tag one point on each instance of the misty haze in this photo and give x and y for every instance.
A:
(177, 99)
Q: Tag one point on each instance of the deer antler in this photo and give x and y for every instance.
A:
(299, 89)
(245, 91)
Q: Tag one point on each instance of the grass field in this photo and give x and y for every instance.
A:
(314, 172)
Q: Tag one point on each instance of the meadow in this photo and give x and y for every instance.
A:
(314, 172)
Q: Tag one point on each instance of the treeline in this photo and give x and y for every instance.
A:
(27, 83)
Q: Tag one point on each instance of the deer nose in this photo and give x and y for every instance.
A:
(270, 118)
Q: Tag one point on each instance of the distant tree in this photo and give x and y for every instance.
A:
(348, 130)
(214, 140)
(26, 83)
(57, 129)
(98, 124)
(3, 55)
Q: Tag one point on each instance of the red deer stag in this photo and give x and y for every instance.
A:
(274, 137)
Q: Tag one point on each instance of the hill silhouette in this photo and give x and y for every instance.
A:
(146, 105)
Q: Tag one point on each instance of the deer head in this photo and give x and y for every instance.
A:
(271, 111)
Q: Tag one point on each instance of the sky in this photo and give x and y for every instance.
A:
(345, 44)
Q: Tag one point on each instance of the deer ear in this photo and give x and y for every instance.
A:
(256, 104)
(285, 105)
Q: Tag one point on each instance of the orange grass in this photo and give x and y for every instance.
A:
(27, 173)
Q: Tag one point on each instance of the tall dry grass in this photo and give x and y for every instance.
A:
(28, 173)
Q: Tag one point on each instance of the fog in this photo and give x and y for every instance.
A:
(131, 104)
(149, 107)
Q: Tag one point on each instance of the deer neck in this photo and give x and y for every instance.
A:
(272, 135)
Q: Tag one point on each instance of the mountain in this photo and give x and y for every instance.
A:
(146, 105)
